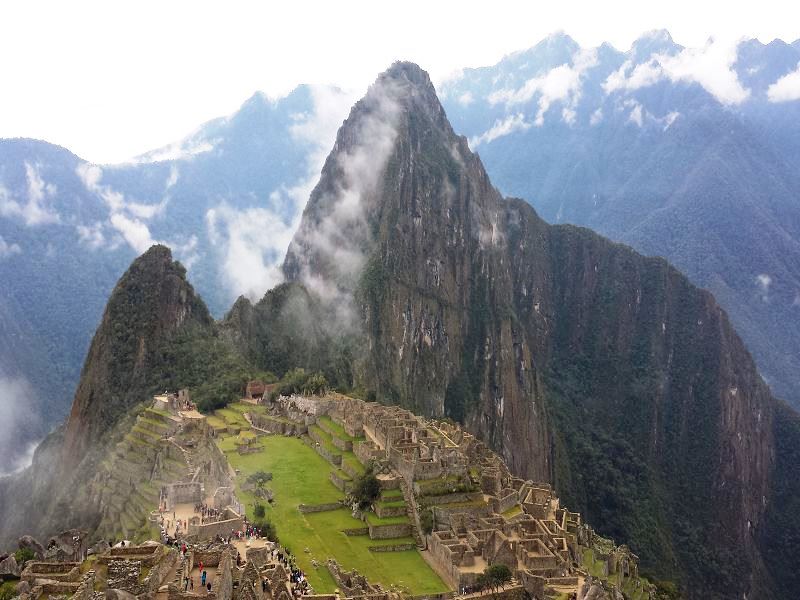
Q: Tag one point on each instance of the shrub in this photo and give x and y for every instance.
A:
(426, 521)
(24, 554)
(259, 511)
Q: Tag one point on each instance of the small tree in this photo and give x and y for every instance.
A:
(260, 479)
(426, 521)
(494, 577)
(366, 488)
(259, 511)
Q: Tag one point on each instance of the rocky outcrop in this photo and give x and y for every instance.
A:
(27, 542)
(9, 566)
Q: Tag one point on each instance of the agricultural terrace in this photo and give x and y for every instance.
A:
(301, 476)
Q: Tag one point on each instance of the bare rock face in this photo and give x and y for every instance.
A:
(30, 543)
(9, 566)
(23, 587)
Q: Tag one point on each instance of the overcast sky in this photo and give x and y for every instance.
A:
(112, 79)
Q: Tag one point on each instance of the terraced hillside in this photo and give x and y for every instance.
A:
(309, 477)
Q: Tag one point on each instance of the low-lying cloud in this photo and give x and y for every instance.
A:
(501, 127)
(7, 249)
(710, 67)
(787, 88)
(253, 241)
(330, 247)
(18, 420)
(127, 219)
(35, 208)
(561, 84)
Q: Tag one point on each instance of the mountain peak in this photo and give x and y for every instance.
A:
(402, 70)
(150, 303)
(655, 41)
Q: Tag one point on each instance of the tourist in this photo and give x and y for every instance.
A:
(208, 586)
(203, 578)
(191, 583)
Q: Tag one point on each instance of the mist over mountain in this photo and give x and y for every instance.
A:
(690, 154)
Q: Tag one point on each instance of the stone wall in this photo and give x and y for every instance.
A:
(382, 532)
(157, 575)
(224, 582)
(183, 493)
(393, 547)
(208, 531)
(312, 508)
(124, 575)
(66, 572)
(85, 588)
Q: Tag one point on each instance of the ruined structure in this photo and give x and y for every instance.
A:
(477, 514)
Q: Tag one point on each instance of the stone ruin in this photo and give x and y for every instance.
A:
(482, 515)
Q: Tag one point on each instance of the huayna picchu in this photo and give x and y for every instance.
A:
(566, 391)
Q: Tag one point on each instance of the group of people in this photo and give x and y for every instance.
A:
(296, 576)
(207, 513)
(165, 523)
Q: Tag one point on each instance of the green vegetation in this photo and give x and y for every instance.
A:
(300, 476)
(298, 381)
(426, 521)
(366, 489)
(24, 554)
(8, 590)
(494, 577)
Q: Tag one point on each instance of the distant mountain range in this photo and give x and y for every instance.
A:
(690, 154)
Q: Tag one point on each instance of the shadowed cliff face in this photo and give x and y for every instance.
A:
(577, 359)
(150, 303)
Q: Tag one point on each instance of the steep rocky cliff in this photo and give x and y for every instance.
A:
(579, 360)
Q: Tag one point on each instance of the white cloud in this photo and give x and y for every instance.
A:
(710, 66)
(327, 252)
(635, 115)
(764, 281)
(787, 88)
(466, 99)
(17, 413)
(500, 128)
(561, 84)
(133, 231)
(643, 75)
(188, 148)
(91, 235)
(126, 217)
(597, 117)
(34, 210)
(253, 241)
(7, 249)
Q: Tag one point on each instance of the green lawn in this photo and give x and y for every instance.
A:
(300, 475)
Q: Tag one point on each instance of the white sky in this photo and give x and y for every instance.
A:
(112, 79)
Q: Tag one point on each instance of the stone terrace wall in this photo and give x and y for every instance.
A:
(382, 532)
